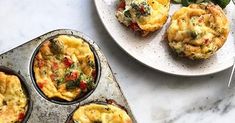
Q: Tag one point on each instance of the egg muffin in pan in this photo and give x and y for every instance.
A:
(13, 100)
(65, 68)
(143, 16)
(198, 31)
(99, 113)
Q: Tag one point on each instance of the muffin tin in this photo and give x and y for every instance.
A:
(44, 110)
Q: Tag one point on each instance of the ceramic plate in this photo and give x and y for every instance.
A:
(153, 50)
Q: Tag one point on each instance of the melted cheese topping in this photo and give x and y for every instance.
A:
(13, 102)
(198, 31)
(65, 68)
(97, 113)
(150, 15)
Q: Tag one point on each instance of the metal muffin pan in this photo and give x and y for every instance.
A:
(25, 88)
(47, 111)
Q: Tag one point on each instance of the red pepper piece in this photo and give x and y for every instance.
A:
(121, 5)
(21, 116)
(40, 85)
(72, 76)
(206, 41)
(83, 85)
(40, 63)
(134, 26)
(55, 66)
(67, 62)
(142, 11)
(94, 74)
(53, 76)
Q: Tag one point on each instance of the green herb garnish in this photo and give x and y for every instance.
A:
(56, 46)
(141, 9)
(90, 83)
(72, 85)
(59, 81)
(91, 64)
(193, 34)
(127, 13)
(221, 3)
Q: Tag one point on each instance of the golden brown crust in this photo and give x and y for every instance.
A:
(198, 31)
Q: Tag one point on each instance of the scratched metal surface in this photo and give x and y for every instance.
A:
(44, 111)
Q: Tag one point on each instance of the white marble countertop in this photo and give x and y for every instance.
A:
(154, 97)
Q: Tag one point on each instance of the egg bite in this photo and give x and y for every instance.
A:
(198, 31)
(65, 68)
(13, 100)
(100, 113)
(143, 16)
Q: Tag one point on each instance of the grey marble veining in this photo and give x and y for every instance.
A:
(154, 97)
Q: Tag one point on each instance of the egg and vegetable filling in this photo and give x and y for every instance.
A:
(143, 16)
(97, 113)
(13, 101)
(198, 31)
(65, 68)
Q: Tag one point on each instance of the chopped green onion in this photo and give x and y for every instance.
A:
(185, 2)
(221, 3)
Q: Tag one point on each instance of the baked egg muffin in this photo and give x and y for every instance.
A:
(98, 113)
(65, 68)
(198, 31)
(13, 101)
(143, 16)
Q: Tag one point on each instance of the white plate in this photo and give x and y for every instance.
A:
(153, 51)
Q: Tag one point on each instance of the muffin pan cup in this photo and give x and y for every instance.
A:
(25, 88)
(107, 102)
(46, 111)
(58, 100)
